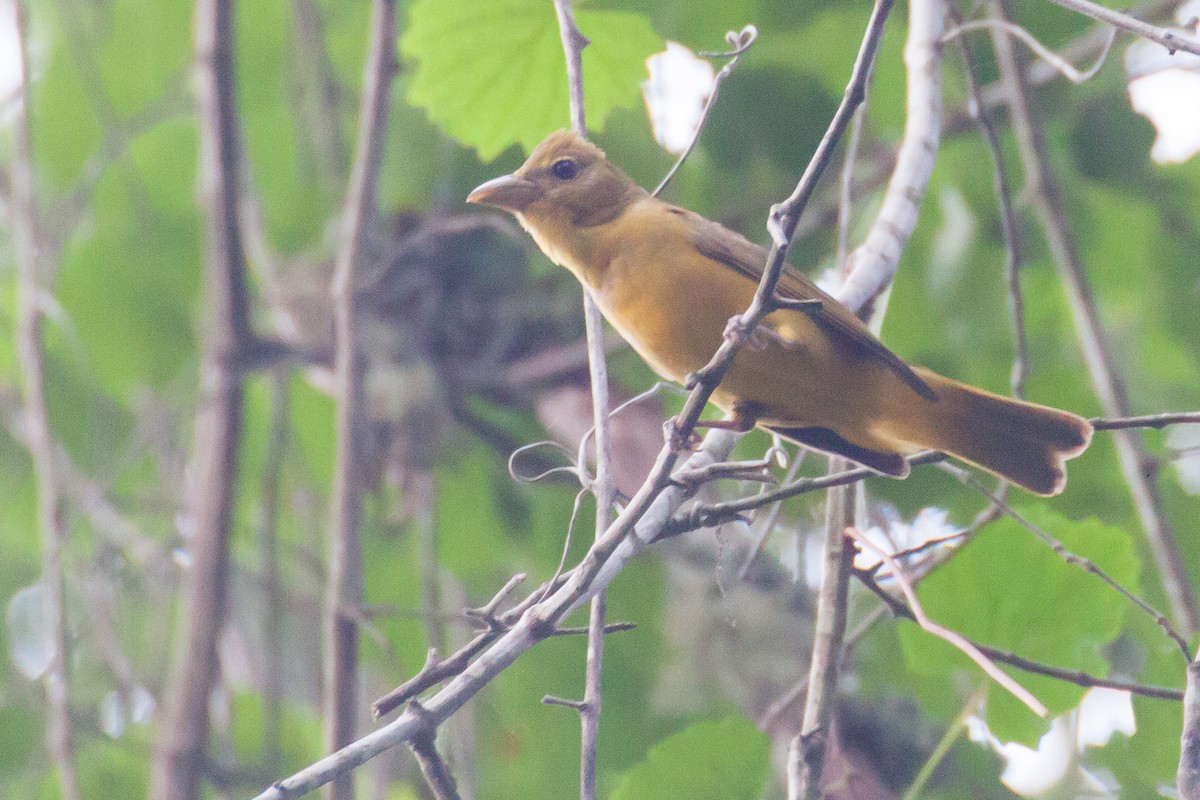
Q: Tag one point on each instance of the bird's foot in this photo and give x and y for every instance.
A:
(677, 440)
(758, 338)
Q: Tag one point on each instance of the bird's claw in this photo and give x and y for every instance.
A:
(760, 338)
(675, 438)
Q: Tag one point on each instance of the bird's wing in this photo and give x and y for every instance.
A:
(749, 259)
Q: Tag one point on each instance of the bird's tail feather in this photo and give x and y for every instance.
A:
(1024, 443)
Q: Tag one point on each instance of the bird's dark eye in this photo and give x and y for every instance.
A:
(564, 169)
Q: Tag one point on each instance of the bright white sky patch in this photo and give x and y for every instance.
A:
(679, 85)
(1056, 761)
(10, 59)
(1165, 89)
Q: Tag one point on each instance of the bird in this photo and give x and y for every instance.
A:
(671, 281)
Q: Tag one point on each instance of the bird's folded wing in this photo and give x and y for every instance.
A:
(749, 259)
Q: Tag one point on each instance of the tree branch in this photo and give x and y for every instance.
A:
(874, 262)
(52, 523)
(1187, 778)
(633, 531)
(1164, 36)
(602, 489)
(806, 753)
(180, 761)
(350, 480)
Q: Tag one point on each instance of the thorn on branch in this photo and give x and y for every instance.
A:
(577, 705)
(487, 613)
(612, 627)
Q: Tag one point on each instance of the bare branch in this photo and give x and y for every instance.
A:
(633, 530)
(433, 767)
(1010, 232)
(874, 262)
(806, 752)
(1164, 36)
(1069, 557)
(1148, 421)
(1187, 779)
(1064, 67)
(180, 759)
(350, 480)
(740, 42)
(52, 523)
(573, 43)
(952, 637)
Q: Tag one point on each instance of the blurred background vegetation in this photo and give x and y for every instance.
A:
(474, 350)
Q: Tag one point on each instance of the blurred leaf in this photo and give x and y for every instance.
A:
(717, 760)
(127, 285)
(149, 46)
(491, 72)
(66, 129)
(20, 737)
(1008, 590)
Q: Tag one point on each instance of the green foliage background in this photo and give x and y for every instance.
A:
(115, 141)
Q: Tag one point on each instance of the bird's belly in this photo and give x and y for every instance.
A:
(677, 329)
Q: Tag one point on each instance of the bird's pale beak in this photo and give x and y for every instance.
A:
(508, 192)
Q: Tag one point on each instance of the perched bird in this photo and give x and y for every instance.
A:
(669, 281)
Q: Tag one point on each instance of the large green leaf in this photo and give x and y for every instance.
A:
(717, 760)
(492, 74)
(1009, 590)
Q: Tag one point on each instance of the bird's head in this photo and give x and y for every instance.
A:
(566, 181)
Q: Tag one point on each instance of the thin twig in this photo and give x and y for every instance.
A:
(1064, 67)
(350, 482)
(1069, 557)
(768, 524)
(1050, 209)
(573, 43)
(629, 535)
(1009, 229)
(951, 637)
(952, 734)
(52, 522)
(268, 555)
(1164, 36)
(740, 42)
(1148, 421)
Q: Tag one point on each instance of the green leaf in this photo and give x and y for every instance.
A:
(148, 48)
(492, 73)
(717, 760)
(128, 281)
(1009, 590)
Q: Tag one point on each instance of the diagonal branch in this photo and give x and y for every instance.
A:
(350, 482)
(1164, 36)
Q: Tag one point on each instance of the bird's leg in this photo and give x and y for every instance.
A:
(759, 338)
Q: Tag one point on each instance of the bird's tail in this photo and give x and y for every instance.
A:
(1024, 443)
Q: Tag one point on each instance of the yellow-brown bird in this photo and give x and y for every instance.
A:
(670, 280)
